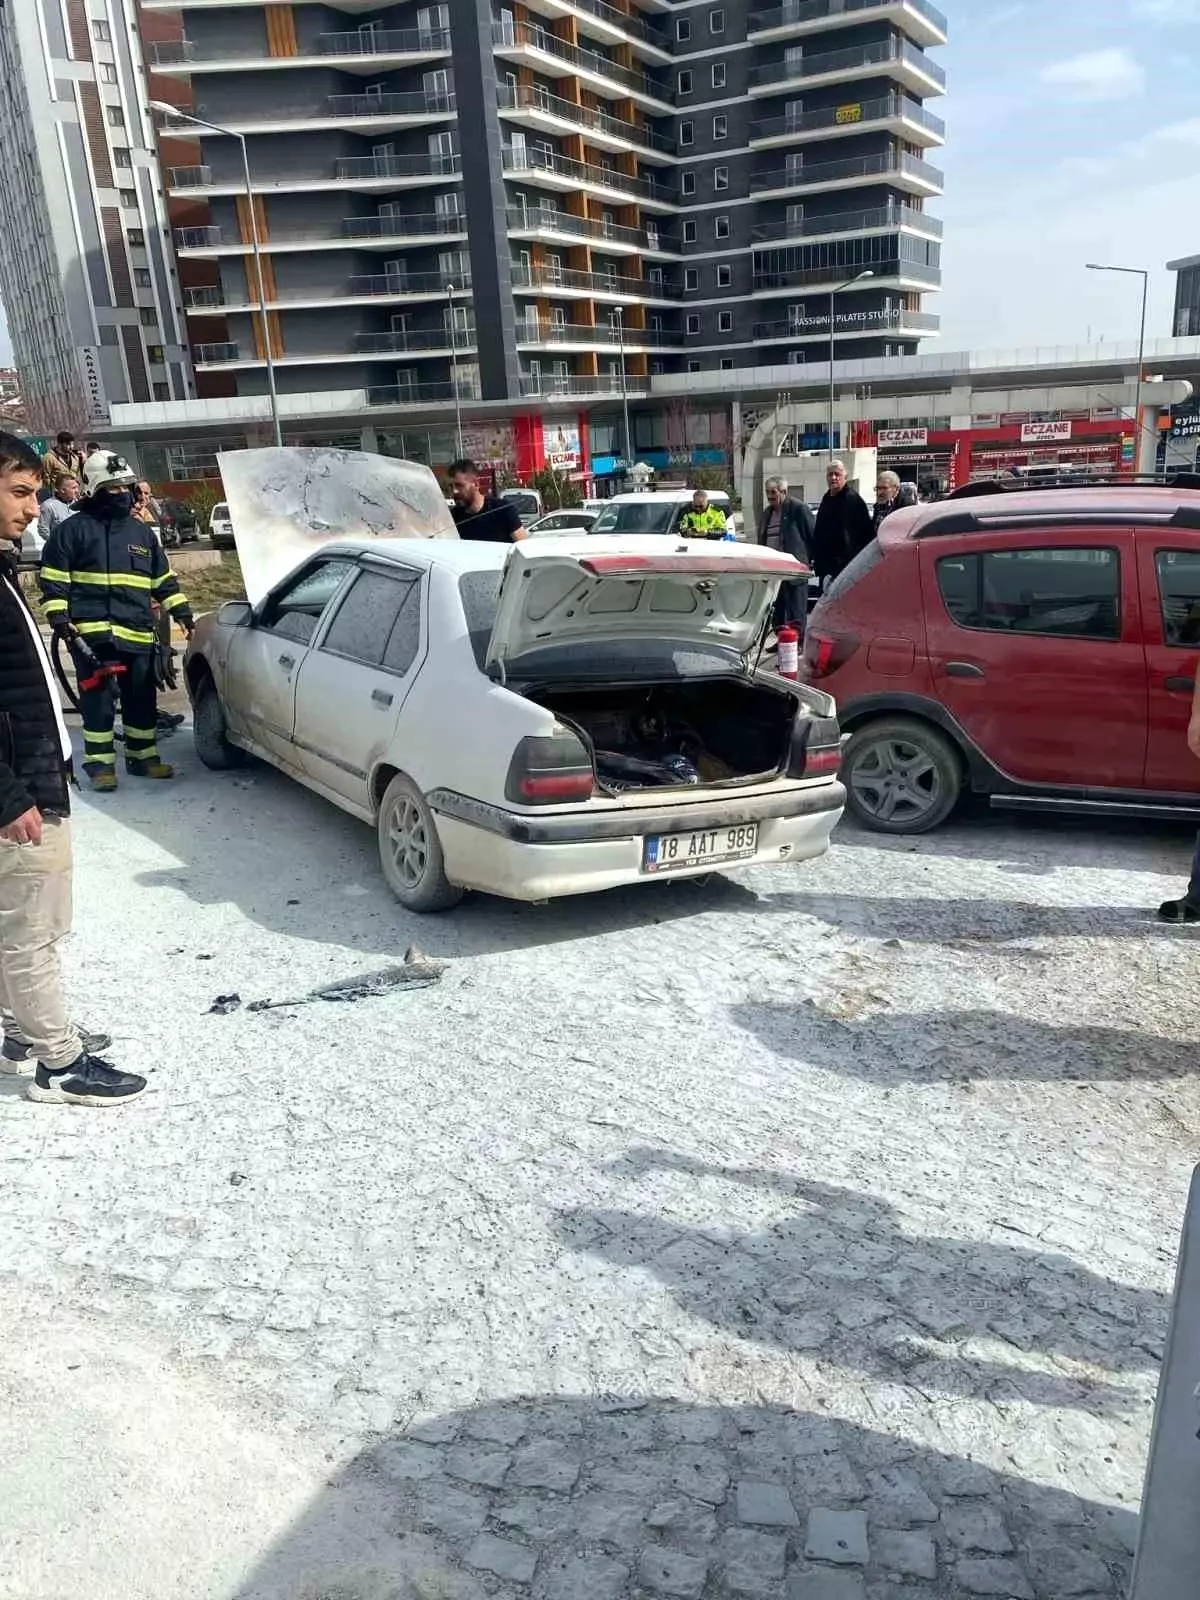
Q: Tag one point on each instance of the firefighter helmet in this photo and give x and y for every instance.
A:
(104, 470)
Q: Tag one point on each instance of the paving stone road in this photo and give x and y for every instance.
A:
(805, 1236)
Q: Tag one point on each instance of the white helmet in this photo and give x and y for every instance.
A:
(104, 470)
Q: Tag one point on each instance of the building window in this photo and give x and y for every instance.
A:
(693, 323)
(724, 277)
(718, 75)
(795, 358)
(724, 321)
(720, 178)
(690, 231)
(687, 131)
(720, 126)
(721, 226)
(726, 363)
(691, 279)
(684, 83)
(116, 117)
(108, 73)
(127, 197)
(683, 29)
(657, 369)
(122, 156)
(687, 184)
(136, 237)
(693, 366)
(162, 391)
(716, 21)
(141, 277)
(108, 334)
(101, 33)
(147, 316)
(156, 355)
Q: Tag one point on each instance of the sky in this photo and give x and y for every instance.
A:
(1073, 136)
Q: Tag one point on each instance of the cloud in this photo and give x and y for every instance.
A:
(1185, 132)
(1110, 74)
(1167, 11)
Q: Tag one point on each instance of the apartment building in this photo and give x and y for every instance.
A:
(549, 200)
(86, 265)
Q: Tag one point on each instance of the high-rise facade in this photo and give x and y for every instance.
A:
(553, 199)
(87, 273)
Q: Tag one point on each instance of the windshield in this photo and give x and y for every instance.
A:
(526, 504)
(221, 510)
(637, 516)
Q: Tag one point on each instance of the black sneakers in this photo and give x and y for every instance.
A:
(86, 1082)
(1179, 911)
(17, 1056)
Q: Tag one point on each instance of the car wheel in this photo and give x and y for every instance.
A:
(410, 850)
(901, 776)
(208, 731)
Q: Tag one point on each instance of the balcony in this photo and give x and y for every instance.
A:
(624, 26)
(886, 274)
(586, 285)
(550, 385)
(600, 336)
(560, 172)
(356, 232)
(894, 113)
(530, 45)
(877, 219)
(544, 222)
(198, 238)
(207, 299)
(892, 167)
(359, 287)
(539, 107)
(889, 58)
(362, 51)
(847, 325)
(388, 172)
(384, 112)
(423, 341)
(215, 355)
(422, 394)
(916, 18)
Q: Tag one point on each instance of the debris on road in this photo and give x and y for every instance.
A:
(418, 971)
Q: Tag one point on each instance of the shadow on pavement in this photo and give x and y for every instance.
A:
(843, 1281)
(963, 1046)
(969, 923)
(603, 1498)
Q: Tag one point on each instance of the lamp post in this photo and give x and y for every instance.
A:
(619, 313)
(165, 109)
(1143, 274)
(454, 371)
(833, 294)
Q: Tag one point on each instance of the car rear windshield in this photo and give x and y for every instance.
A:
(220, 509)
(863, 563)
(648, 516)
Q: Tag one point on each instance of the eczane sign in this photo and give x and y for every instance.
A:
(900, 436)
(1045, 432)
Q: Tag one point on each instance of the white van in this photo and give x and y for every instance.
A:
(656, 511)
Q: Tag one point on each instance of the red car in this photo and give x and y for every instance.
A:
(1038, 648)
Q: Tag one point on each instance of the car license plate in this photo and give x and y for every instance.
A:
(673, 852)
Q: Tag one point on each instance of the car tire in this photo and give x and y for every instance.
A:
(208, 731)
(902, 775)
(410, 851)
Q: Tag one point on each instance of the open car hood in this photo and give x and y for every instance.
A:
(286, 503)
(562, 590)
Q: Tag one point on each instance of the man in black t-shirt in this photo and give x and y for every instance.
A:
(480, 516)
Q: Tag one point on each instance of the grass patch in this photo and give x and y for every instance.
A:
(210, 587)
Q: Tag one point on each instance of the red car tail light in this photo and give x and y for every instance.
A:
(547, 770)
(816, 747)
(825, 653)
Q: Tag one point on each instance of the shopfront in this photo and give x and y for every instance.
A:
(1001, 445)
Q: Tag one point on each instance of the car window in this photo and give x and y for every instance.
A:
(296, 612)
(362, 628)
(405, 638)
(220, 510)
(1179, 592)
(1073, 592)
(480, 592)
(647, 516)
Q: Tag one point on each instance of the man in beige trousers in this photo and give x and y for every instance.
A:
(35, 837)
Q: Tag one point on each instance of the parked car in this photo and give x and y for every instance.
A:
(180, 524)
(1037, 647)
(549, 718)
(655, 511)
(563, 521)
(220, 527)
(527, 501)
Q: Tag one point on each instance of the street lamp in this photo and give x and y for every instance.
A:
(1143, 274)
(450, 291)
(619, 314)
(168, 110)
(833, 294)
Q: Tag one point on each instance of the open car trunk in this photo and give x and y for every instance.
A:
(677, 735)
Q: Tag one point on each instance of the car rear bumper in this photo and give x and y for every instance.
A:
(574, 861)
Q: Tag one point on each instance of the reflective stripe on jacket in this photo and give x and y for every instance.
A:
(702, 524)
(105, 577)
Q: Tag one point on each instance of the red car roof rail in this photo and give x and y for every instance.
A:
(989, 521)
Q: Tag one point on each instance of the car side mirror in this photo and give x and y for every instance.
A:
(236, 614)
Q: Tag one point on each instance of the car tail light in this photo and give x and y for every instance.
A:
(547, 770)
(816, 748)
(825, 653)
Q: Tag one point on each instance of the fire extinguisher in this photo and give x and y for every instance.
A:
(787, 643)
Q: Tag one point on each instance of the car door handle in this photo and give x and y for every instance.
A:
(1180, 684)
(964, 669)
(287, 661)
(381, 697)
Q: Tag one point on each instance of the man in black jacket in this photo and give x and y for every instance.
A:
(843, 526)
(787, 524)
(35, 836)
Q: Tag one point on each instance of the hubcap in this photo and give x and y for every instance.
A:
(408, 841)
(896, 780)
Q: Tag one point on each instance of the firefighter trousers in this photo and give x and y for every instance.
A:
(139, 710)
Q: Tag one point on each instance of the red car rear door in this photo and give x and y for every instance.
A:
(1035, 648)
(1169, 570)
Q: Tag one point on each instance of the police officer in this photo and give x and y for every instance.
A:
(102, 571)
(702, 521)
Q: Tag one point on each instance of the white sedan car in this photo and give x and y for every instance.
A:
(532, 720)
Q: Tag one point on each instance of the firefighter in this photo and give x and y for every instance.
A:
(702, 521)
(102, 571)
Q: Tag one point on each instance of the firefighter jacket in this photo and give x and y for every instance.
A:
(706, 524)
(105, 576)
